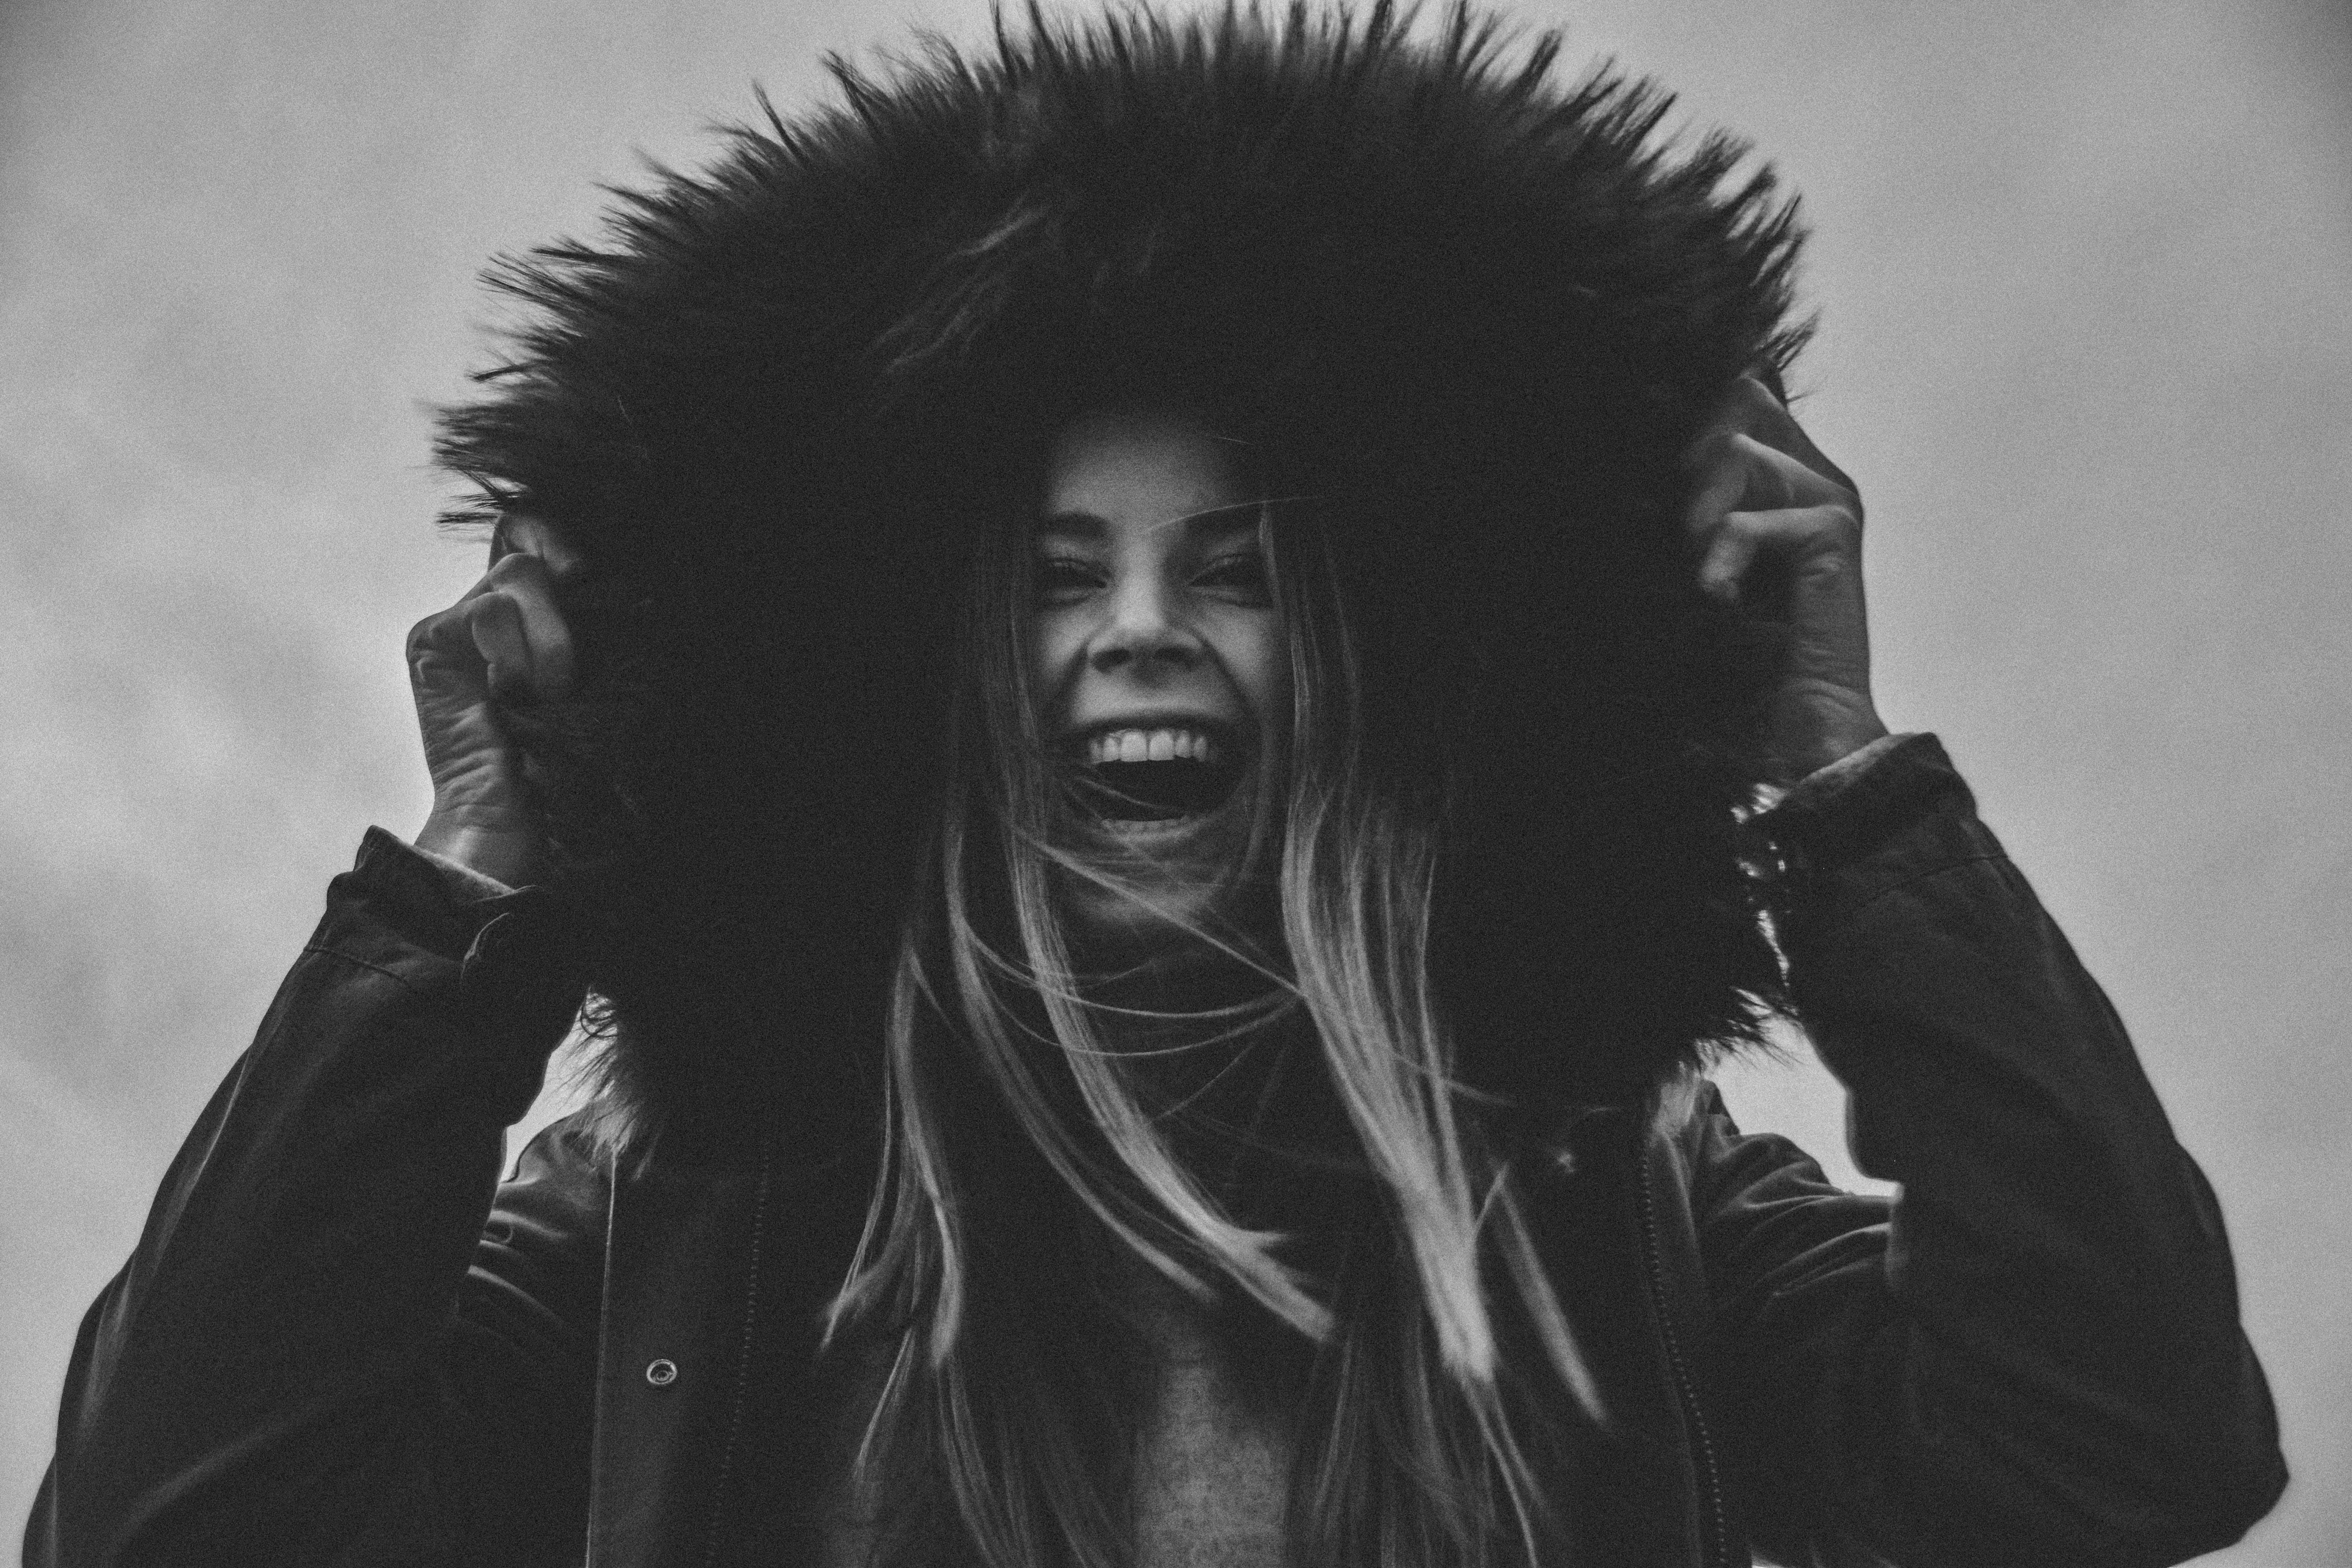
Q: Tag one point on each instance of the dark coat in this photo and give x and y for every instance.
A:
(342, 1341)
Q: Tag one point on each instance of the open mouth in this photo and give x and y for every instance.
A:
(1155, 776)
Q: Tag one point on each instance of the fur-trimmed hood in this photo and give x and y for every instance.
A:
(1470, 313)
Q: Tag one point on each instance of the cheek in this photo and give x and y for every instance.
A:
(1050, 649)
(1268, 677)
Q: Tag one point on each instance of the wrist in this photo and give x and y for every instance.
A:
(1835, 746)
(501, 854)
(1812, 731)
(1851, 832)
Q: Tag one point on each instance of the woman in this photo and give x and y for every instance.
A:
(1136, 676)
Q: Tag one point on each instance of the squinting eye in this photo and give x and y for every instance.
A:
(1244, 572)
(1062, 576)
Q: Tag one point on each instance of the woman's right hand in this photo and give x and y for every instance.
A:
(505, 638)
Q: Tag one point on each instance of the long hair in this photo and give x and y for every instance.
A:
(1028, 1144)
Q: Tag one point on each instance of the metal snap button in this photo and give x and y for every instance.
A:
(661, 1371)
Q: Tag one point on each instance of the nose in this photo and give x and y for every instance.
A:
(1141, 631)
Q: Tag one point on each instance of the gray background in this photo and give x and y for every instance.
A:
(2087, 278)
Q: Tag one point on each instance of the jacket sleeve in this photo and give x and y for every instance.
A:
(329, 1346)
(2035, 1355)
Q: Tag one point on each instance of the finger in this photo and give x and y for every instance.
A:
(1824, 534)
(1778, 428)
(1778, 479)
(495, 622)
(1741, 473)
(1781, 432)
(1722, 482)
(522, 533)
(437, 640)
(1746, 407)
(529, 583)
(1723, 567)
(1751, 409)
(510, 566)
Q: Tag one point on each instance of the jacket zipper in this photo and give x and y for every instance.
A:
(742, 1359)
(1714, 1547)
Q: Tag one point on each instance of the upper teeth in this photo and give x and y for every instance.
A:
(1150, 746)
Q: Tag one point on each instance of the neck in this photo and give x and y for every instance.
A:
(1235, 1080)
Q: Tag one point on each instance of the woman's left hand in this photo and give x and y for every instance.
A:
(1776, 529)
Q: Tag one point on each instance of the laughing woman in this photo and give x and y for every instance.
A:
(1166, 689)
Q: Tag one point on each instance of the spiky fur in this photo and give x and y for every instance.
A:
(1470, 313)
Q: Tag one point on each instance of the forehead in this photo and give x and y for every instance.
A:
(1118, 476)
(1078, 527)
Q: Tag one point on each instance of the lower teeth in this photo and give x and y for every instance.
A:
(1155, 791)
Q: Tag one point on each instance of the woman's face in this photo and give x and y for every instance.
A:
(1158, 653)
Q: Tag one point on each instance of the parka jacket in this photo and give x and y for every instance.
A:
(343, 1340)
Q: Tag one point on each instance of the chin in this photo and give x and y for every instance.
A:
(1171, 894)
(1183, 871)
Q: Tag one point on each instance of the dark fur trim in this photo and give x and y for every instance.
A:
(1474, 313)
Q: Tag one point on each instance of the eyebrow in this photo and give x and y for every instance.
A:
(1241, 517)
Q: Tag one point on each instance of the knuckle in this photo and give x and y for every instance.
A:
(427, 634)
(519, 570)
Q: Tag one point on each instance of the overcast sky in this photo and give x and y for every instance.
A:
(2086, 276)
